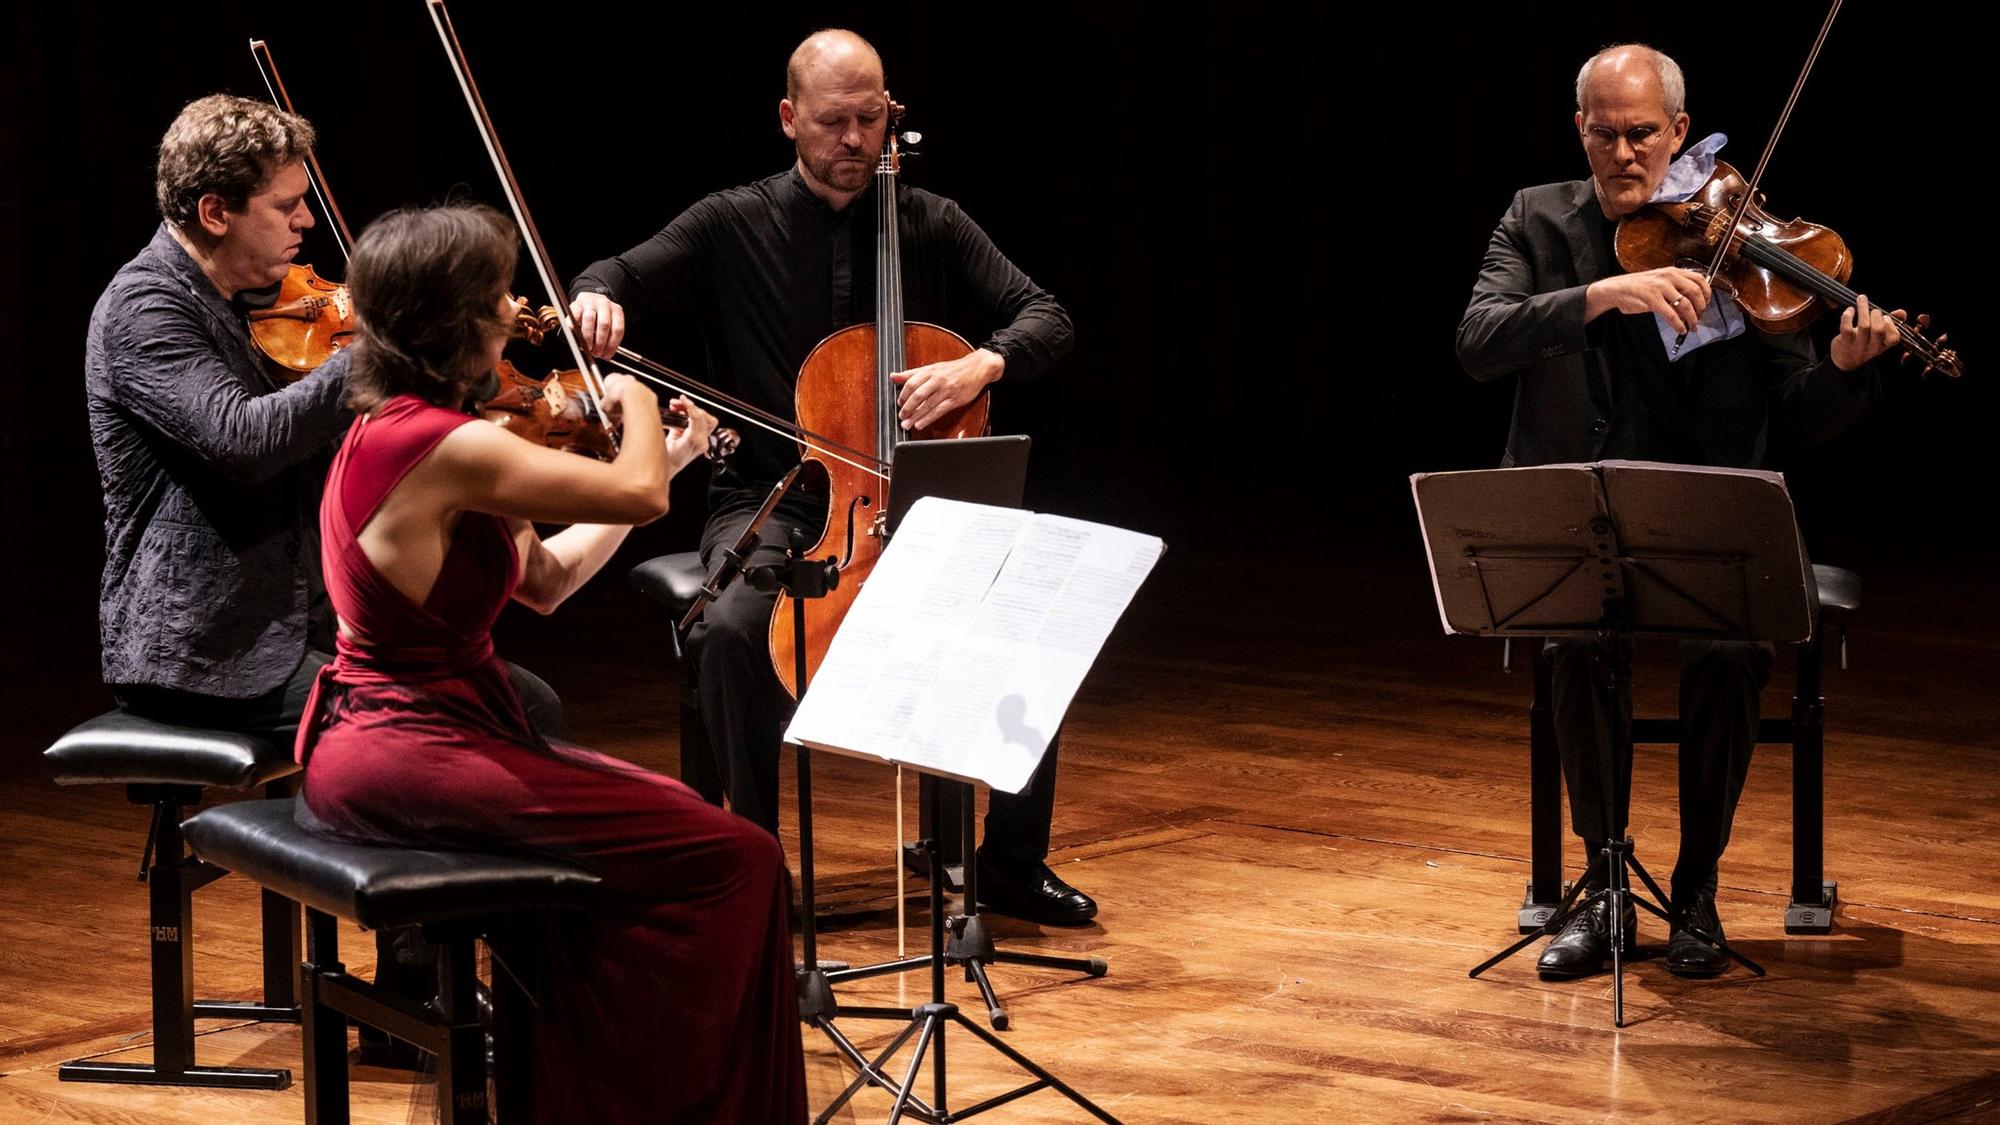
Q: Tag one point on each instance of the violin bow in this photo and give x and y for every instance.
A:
(260, 52)
(1764, 161)
(593, 380)
(1728, 239)
(635, 364)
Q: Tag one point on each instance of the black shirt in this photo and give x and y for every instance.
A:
(762, 273)
(1648, 416)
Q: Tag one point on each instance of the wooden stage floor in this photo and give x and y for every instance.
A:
(1304, 824)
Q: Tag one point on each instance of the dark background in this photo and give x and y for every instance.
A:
(1265, 220)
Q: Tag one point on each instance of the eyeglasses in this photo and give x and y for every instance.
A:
(1642, 138)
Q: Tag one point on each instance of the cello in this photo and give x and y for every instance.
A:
(860, 358)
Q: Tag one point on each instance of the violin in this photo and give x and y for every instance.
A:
(861, 358)
(557, 411)
(309, 318)
(1782, 273)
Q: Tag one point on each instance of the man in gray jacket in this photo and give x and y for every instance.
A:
(211, 600)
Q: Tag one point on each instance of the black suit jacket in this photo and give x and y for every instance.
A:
(1527, 316)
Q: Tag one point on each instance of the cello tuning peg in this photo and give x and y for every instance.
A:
(912, 137)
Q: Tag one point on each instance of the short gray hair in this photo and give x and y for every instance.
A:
(1672, 85)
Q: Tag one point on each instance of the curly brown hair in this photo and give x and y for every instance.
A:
(227, 145)
(425, 283)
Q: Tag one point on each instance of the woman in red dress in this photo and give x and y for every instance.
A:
(672, 998)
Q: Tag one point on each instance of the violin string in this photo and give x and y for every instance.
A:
(1829, 288)
(888, 290)
(705, 401)
(267, 68)
(729, 404)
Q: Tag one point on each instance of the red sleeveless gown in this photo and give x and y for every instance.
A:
(670, 1000)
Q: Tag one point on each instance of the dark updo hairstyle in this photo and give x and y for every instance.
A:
(425, 282)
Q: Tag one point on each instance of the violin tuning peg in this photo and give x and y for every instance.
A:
(1923, 321)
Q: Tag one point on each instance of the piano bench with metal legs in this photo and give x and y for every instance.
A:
(1813, 898)
(169, 767)
(457, 898)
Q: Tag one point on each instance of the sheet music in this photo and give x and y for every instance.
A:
(973, 634)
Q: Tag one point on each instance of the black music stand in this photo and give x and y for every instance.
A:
(996, 474)
(804, 579)
(988, 470)
(929, 1021)
(1615, 550)
(968, 946)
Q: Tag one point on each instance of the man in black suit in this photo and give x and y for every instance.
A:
(1595, 382)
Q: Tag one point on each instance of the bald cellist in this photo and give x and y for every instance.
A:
(762, 273)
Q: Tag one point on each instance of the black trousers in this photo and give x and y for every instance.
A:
(405, 963)
(1721, 684)
(744, 707)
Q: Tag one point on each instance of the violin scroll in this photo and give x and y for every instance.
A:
(1933, 353)
(533, 324)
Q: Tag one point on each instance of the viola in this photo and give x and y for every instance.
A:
(1782, 273)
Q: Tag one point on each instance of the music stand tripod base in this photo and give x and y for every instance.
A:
(1611, 551)
(928, 1024)
(970, 944)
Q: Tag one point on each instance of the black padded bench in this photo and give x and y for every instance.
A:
(457, 898)
(170, 767)
(1814, 897)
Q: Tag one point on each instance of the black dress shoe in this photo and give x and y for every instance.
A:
(1032, 893)
(1584, 942)
(1688, 955)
